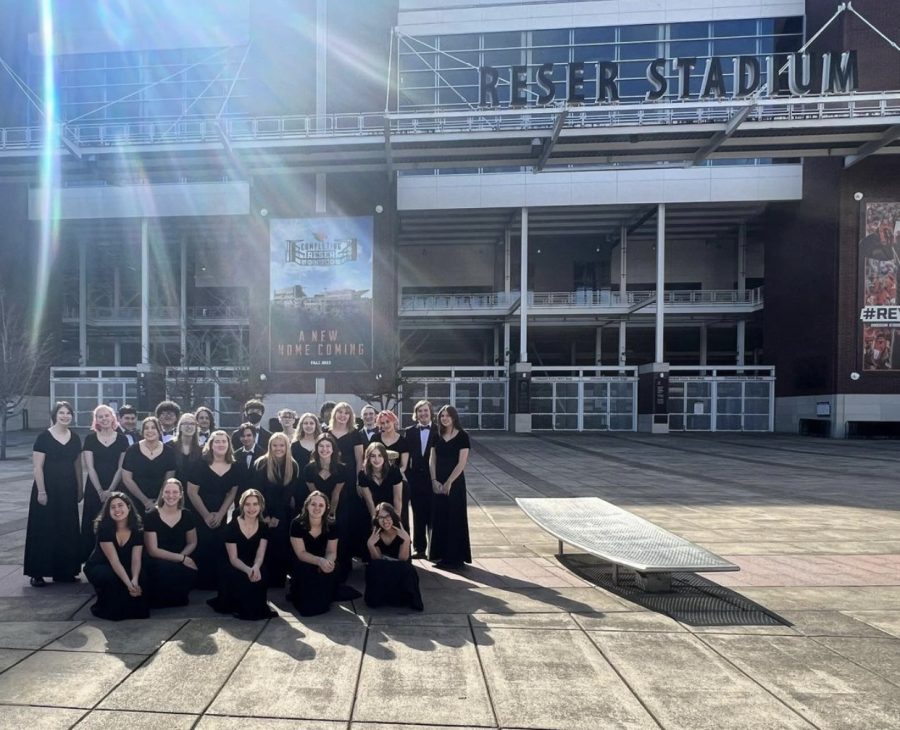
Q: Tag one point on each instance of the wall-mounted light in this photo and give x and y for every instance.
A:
(379, 208)
(264, 212)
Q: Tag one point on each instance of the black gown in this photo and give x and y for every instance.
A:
(148, 474)
(312, 591)
(342, 516)
(301, 454)
(106, 464)
(52, 539)
(237, 594)
(212, 492)
(449, 520)
(184, 463)
(383, 492)
(356, 523)
(401, 446)
(113, 600)
(392, 581)
(169, 582)
(278, 504)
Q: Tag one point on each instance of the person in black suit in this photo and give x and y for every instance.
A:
(128, 424)
(368, 431)
(420, 439)
(244, 456)
(253, 413)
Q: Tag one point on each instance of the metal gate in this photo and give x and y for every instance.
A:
(742, 401)
(584, 400)
(480, 394)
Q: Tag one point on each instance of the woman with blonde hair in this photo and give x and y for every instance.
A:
(287, 418)
(242, 589)
(103, 452)
(170, 538)
(276, 476)
(308, 430)
(211, 489)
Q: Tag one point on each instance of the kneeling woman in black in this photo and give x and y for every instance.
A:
(114, 568)
(170, 536)
(314, 545)
(242, 588)
(391, 580)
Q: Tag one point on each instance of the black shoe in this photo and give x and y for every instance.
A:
(38, 582)
(346, 593)
(419, 555)
(67, 579)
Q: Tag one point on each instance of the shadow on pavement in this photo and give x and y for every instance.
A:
(693, 600)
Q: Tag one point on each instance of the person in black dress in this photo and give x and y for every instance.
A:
(52, 538)
(420, 439)
(308, 430)
(353, 520)
(391, 580)
(104, 451)
(398, 452)
(147, 464)
(449, 546)
(314, 545)
(242, 588)
(211, 491)
(206, 424)
(380, 481)
(186, 447)
(275, 476)
(326, 473)
(114, 568)
(170, 537)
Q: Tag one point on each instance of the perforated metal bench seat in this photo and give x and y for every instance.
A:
(622, 539)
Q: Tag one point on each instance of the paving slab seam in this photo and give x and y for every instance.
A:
(30, 653)
(703, 640)
(806, 469)
(816, 639)
(769, 447)
(359, 668)
(757, 488)
(484, 678)
(622, 679)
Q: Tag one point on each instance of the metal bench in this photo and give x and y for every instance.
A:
(622, 539)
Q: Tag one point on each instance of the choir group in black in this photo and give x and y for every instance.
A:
(304, 502)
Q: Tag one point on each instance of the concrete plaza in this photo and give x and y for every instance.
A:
(806, 635)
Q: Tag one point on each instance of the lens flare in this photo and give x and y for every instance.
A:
(49, 173)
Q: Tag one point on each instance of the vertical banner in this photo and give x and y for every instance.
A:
(320, 294)
(879, 265)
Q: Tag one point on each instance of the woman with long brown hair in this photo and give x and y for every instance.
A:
(449, 546)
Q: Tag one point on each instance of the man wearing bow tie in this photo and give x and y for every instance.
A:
(369, 430)
(420, 437)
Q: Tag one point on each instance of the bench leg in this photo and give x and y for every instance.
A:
(654, 582)
(615, 574)
(560, 547)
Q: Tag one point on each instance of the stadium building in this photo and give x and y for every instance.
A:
(579, 215)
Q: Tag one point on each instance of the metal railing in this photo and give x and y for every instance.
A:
(589, 298)
(167, 130)
(133, 314)
(479, 393)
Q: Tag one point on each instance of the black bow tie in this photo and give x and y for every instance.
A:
(424, 428)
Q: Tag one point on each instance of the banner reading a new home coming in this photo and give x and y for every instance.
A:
(320, 294)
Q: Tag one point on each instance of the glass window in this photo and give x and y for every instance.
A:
(634, 51)
(688, 30)
(688, 49)
(639, 33)
(550, 38)
(595, 53)
(594, 35)
(735, 47)
(726, 28)
(465, 42)
(503, 40)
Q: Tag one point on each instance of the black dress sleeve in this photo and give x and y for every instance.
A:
(188, 520)
(464, 440)
(152, 521)
(297, 528)
(132, 453)
(42, 442)
(394, 476)
(232, 531)
(168, 457)
(106, 533)
(309, 473)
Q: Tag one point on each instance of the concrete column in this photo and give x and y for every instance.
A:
(506, 353)
(660, 281)
(574, 352)
(82, 302)
(623, 330)
(598, 345)
(117, 353)
(741, 336)
(496, 345)
(183, 302)
(145, 291)
(321, 90)
(703, 344)
(742, 258)
(523, 308)
(117, 289)
(507, 262)
(623, 262)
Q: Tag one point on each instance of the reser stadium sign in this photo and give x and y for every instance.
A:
(796, 73)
